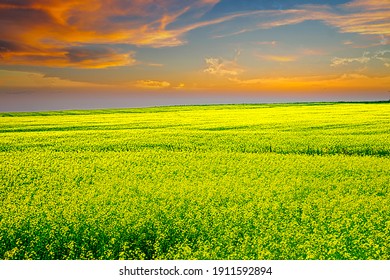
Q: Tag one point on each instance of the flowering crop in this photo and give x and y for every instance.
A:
(286, 181)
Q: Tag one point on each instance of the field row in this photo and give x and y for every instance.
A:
(200, 205)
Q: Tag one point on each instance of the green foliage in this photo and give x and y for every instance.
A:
(197, 182)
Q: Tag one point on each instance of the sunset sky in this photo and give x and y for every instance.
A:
(128, 53)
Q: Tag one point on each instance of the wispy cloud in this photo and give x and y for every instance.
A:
(368, 4)
(337, 61)
(223, 67)
(384, 40)
(267, 43)
(366, 17)
(360, 16)
(383, 56)
(348, 42)
(304, 52)
(312, 52)
(378, 40)
(278, 58)
(232, 33)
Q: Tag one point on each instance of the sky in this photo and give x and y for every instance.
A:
(134, 53)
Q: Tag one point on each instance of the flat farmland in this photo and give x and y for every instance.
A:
(267, 181)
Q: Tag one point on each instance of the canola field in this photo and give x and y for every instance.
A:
(280, 181)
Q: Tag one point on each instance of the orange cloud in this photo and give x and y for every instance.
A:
(46, 32)
(78, 57)
(180, 86)
(368, 4)
(56, 33)
(20, 79)
(151, 84)
(278, 58)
